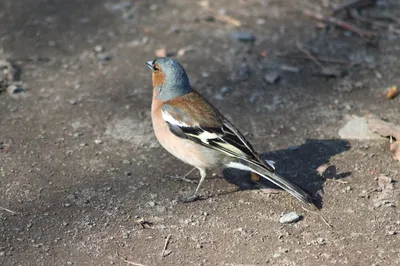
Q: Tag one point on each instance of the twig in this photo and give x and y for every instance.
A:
(354, 14)
(8, 210)
(220, 17)
(309, 55)
(165, 245)
(353, 4)
(340, 23)
(322, 218)
(391, 17)
(371, 191)
(319, 58)
(132, 263)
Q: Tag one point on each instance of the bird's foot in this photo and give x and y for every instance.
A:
(187, 199)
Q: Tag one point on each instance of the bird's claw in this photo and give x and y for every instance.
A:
(185, 199)
(184, 179)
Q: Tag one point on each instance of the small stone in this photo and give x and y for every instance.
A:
(260, 21)
(391, 233)
(276, 255)
(151, 203)
(359, 84)
(321, 241)
(29, 225)
(272, 77)
(364, 146)
(66, 205)
(83, 144)
(357, 128)
(153, 7)
(73, 102)
(103, 57)
(243, 36)
(290, 217)
(2, 254)
(14, 89)
(98, 48)
(98, 141)
(224, 90)
(205, 74)
(290, 68)
(218, 96)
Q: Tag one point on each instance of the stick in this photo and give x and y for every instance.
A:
(309, 55)
(354, 14)
(353, 4)
(340, 23)
(322, 218)
(165, 245)
(8, 210)
(220, 17)
(132, 263)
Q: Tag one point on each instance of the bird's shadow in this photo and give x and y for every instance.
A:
(299, 164)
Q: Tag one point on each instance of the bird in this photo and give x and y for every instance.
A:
(189, 127)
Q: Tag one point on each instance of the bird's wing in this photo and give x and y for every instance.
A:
(192, 117)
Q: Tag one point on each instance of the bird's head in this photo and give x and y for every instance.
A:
(169, 78)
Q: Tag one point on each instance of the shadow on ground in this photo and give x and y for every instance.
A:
(298, 164)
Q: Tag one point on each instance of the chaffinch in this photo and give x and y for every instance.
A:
(194, 131)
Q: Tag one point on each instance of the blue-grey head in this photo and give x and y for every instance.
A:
(169, 78)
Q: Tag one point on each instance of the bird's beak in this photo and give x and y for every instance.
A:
(150, 64)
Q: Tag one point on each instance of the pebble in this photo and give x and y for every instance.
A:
(98, 141)
(243, 36)
(151, 203)
(357, 128)
(321, 241)
(66, 205)
(224, 90)
(14, 89)
(98, 48)
(290, 217)
(272, 77)
(260, 21)
(103, 57)
(205, 74)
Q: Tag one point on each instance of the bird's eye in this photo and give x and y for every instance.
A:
(155, 68)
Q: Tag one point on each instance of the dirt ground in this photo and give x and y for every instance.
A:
(89, 184)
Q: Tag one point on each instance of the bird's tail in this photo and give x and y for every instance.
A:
(278, 180)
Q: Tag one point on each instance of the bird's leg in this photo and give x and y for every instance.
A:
(195, 196)
(184, 178)
(203, 175)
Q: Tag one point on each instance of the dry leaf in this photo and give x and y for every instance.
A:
(393, 92)
(161, 52)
